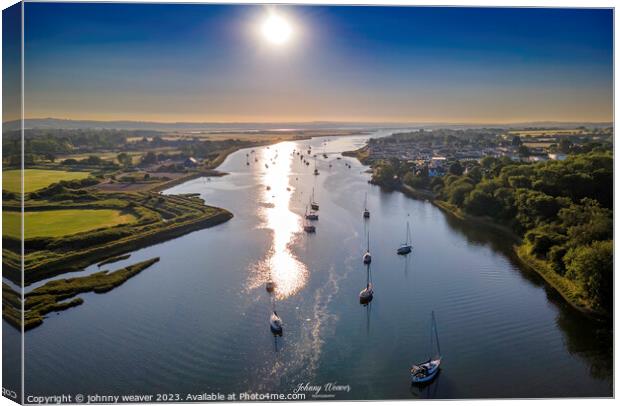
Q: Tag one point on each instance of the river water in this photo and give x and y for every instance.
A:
(197, 321)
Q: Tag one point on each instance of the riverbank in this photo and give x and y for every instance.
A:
(159, 218)
(54, 295)
(567, 289)
(361, 154)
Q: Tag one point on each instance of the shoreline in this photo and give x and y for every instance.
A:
(560, 285)
(77, 260)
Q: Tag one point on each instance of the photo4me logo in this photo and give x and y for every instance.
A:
(9, 393)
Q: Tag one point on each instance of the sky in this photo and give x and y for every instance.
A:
(211, 63)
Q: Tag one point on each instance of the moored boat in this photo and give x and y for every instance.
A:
(405, 248)
(366, 294)
(275, 323)
(366, 258)
(427, 370)
(313, 204)
(366, 211)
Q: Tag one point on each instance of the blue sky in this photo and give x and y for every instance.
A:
(400, 64)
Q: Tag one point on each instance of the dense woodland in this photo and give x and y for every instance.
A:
(562, 209)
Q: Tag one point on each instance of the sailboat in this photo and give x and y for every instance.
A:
(316, 171)
(427, 370)
(367, 258)
(309, 228)
(313, 205)
(275, 323)
(367, 293)
(311, 215)
(405, 248)
(366, 212)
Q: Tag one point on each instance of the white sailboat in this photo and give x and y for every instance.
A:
(308, 227)
(427, 370)
(313, 204)
(366, 212)
(366, 258)
(275, 323)
(405, 248)
(311, 215)
(368, 292)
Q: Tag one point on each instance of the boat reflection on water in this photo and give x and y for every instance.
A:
(427, 390)
(280, 265)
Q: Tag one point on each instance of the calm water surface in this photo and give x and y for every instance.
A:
(197, 321)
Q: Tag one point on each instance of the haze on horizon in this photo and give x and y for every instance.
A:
(210, 63)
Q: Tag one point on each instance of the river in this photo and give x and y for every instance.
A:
(197, 321)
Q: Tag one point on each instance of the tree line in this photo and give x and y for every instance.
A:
(563, 210)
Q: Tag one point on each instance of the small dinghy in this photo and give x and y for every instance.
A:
(275, 323)
(427, 370)
(270, 286)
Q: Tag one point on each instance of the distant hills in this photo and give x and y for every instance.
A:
(56, 123)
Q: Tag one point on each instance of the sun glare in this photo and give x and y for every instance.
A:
(276, 29)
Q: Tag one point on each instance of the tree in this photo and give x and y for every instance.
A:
(592, 267)
(124, 159)
(480, 203)
(565, 145)
(149, 158)
(516, 141)
(456, 168)
(523, 151)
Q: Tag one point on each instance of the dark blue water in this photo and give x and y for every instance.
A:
(197, 321)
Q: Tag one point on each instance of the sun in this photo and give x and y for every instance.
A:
(276, 30)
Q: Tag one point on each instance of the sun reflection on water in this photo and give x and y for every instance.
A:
(280, 264)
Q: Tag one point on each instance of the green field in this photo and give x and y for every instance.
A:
(56, 223)
(35, 179)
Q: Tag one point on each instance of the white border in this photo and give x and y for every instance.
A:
(471, 3)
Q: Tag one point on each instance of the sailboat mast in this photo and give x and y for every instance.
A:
(407, 234)
(434, 327)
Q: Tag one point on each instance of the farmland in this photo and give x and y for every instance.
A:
(35, 179)
(56, 223)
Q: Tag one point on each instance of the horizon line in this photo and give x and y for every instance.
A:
(349, 122)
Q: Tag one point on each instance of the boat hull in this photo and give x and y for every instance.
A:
(404, 250)
(429, 374)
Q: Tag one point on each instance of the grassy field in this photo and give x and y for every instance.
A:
(35, 179)
(56, 223)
